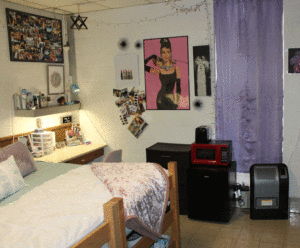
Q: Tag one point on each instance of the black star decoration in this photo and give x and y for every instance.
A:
(81, 21)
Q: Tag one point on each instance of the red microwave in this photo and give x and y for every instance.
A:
(216, 152)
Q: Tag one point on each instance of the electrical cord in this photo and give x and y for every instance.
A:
(238, 188)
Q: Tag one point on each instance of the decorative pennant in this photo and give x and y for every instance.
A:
(81, 21)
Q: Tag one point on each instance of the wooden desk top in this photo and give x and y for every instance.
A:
(69, 152)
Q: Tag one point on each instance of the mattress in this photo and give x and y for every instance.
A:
(37, 216)
(45, 171)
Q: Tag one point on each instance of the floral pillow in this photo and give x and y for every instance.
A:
(11, 179)
(21, 155)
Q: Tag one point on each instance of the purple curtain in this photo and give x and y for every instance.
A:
(249, 84)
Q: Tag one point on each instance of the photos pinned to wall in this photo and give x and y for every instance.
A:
(137, 126)
(131, 104)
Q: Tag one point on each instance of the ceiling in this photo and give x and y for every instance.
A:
(65, 7)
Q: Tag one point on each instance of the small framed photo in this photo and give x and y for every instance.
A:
(56, 82)
(126, 70)
(294, 60)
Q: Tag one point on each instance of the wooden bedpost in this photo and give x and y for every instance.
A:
(114, 214)
(112, 231)
(175, 226)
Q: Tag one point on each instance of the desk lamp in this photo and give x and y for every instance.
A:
(74, 88)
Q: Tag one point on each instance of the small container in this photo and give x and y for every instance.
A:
(29, 100)
(17, 101)
(36, 100)
(43, 143)
(49, 102)
(43, 101)
(23, 99)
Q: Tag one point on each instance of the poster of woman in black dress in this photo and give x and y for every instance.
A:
(166, 73)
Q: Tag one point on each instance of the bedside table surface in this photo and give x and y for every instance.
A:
(69, 152)
(170, 147)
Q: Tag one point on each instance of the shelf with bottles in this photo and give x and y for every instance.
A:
(47, 110)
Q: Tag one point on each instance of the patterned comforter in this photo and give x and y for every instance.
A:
(144, 188)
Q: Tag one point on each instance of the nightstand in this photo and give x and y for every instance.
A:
(162, 153)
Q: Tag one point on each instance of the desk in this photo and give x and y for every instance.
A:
(80, 154)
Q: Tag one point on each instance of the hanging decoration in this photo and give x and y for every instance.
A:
(173, 5)
(123, 44)
(198, 104)
(181, 9)
(78, 21)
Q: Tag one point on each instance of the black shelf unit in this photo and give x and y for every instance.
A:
(162, 153)
(211, 192)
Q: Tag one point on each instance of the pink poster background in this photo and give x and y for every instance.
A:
(179, 46)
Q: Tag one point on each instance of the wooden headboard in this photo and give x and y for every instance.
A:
(60, 134)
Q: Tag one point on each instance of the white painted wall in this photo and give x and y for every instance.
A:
(18, 75)
(291, 142)
(93, 64)
(92, 53)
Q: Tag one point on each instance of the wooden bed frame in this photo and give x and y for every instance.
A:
(113, 230)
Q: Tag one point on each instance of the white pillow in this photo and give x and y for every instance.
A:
(11, 179)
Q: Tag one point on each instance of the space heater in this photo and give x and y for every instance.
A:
(269, 191)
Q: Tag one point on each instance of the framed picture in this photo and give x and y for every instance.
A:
(56, 82)
(167, 73)
(34, 38)
(202, 77)
(126, 70)
(294, 60)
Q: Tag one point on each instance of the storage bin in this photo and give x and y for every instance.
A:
(43, 143)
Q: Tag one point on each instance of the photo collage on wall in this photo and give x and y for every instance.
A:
(34, 38)
(131, 104)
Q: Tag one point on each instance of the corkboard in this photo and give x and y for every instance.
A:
(60, 134)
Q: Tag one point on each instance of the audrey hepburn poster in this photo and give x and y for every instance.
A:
(167, 73)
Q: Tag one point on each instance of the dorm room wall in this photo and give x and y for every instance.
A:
(22, 75)
(92, 62)
(291, 112)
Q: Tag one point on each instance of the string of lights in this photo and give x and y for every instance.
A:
(176, 10)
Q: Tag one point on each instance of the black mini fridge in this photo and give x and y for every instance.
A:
(269, 191)
(211, 192)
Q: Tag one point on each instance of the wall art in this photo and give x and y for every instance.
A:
(34, 38)
(202, 77)
(137, 126)
(166, 66)
(126, 70)
(294, 60)
(131, 104)
(56, 82)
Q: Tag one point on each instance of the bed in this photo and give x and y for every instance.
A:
(108, 230)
